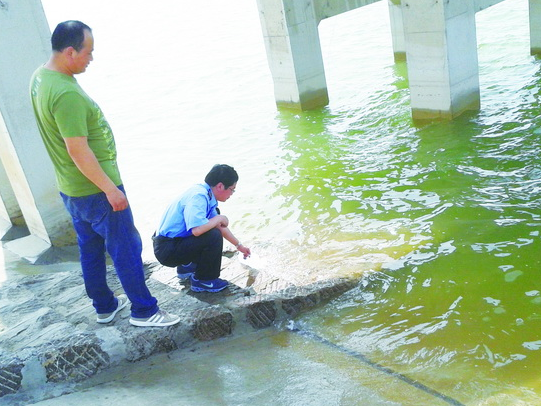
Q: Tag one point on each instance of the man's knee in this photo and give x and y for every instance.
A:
(215, 233)
(213, 238)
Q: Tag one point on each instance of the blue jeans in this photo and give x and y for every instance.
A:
(98, 229)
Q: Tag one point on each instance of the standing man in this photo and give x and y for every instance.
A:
(191, 231)
(81, 146)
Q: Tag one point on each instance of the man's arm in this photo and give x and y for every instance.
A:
(86, 161)
(216, 221)
(228, 235)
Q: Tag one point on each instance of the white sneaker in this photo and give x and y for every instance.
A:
(108, 317)
(160, 319)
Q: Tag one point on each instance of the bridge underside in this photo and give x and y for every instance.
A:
(437, 39)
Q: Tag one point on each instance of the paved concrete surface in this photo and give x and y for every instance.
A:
(49, 338)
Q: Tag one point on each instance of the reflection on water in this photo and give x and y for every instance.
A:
(448, 212)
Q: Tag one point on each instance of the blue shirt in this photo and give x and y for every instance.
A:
(191, 209)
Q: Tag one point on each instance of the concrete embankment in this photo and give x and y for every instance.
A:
(49, 338)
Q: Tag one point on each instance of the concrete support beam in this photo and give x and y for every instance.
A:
(9, 208)
(12, 224)
(535, 27)
(5, 222)
(325, 9)
(293, 48)
(397, 30)
(294, 53)
(438, 39)
(24, 45)
(441, 50)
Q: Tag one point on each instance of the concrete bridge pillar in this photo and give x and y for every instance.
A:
(397, 30)
(437, 38)
(11, 219)
(24, 45)
(441, 52)
(535, 27)
(294, 53)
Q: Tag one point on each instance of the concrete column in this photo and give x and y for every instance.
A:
(5, 194)
(294, 53)
(5, 224)
(11, 220)
(397, 30)
(24, 45)
(441, 50)
(9, 202)
(535, 27)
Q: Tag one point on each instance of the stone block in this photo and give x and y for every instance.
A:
(75, 360)
(143, 342)
(261, 314)
(11, 377)
(211, 323)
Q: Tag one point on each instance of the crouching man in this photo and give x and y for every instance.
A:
(191, 231)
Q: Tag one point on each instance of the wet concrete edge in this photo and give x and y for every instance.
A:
(84, 354)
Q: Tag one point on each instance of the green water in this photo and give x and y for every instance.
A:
(441, 221)
(461, 311)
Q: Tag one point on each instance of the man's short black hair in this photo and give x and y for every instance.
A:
(222, 173)
(69, 34)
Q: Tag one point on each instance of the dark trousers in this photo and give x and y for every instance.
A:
(205, 251)
(99, 228)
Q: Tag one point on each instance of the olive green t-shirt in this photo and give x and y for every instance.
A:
(63, 110)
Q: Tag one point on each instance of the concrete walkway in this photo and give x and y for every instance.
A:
(49, 338)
